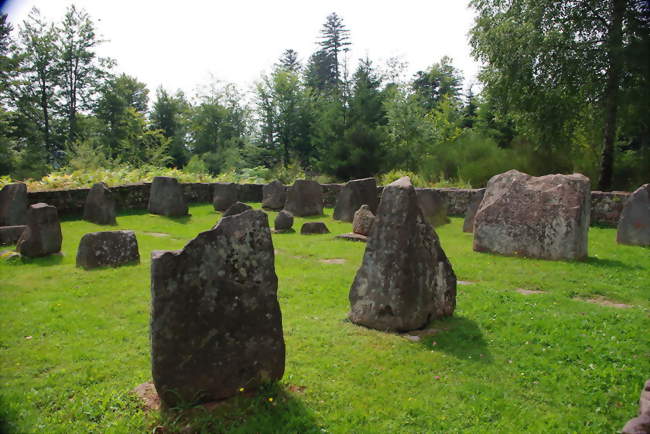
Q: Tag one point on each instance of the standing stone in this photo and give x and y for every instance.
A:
(274, 194)
(363, 220)
(42, 236)
(405, 279)
(13, 204)
(433, 206)
(216, 324)
(100, 205)
(236, 208)
(468, 224)
(224, 195)
(311, 228)
(305, 198)
(634, 224)
(10, 234)
(354, 194)
(283, 221)
(543, 217)
(641, 423)
(107, 249)
(166, 197)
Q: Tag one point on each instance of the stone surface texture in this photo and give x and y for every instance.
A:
(10, 234)
(274, 195)
(634, 224)
(354, 194)
(166, 197)
(236, 208)
(42, 236)
(433, 206)
(351, 236)
(224, 195)
(363, 220)
(305, 198)
(283, 221)
(107, 249)
(13, 204)
(216, 324)
(468, 224)
(405, 279)
(310, 228)
(538, 217)
(100, 205)
(641, 423)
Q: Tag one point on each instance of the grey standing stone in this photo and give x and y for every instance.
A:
(405, 279)
(42, 236)
(236, 208)
(224, 195)
(166, 197)
(283, 221)
(305, 198)
(363, 220)
(641, 423)
(13, 204)
(100, 205)
(216, 324)
(543, 217)
(634, 223)
(274, 195)
(433, 206)
(311, 228)
(354, 194)
(107, 249)
(10, 234)
(468, 224)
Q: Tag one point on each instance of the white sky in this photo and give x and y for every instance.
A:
(179, 44)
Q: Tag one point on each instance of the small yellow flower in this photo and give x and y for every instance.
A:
(241, 389)
(270, 399)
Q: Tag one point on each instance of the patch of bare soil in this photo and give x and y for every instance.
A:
(465, 282)
(156, 234)
(529, 291)
(332, 261)
(606, 302)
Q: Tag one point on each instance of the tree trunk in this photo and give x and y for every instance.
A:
(614, 47)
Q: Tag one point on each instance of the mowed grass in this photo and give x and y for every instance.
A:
(74, 343)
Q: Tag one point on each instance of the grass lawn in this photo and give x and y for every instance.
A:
(74, 343)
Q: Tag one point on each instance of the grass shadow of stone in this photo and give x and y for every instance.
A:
(45, 261)
(609, 263)
(460, 337)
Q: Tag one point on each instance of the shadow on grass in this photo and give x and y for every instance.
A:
(460, 337)
(610, 263)
(44, 261)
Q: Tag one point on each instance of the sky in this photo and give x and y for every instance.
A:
(186, 44)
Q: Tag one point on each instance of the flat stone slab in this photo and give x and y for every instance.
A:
(107, 249)
(10, 234)
(353, 237)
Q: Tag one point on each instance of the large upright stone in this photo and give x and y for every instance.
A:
(107, 249)
(100, 205)
(274, 194)
(216, 324)
(42, 236)
(166, 197)
(634, 223)
(470, 214)
(224, 195)
(543, 217)
(305, 198)
(354, 194)
(236, 208)
(13, 204)
(433, 206)
(405, 279)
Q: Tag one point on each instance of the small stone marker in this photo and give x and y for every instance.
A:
(42, 236)
(634, 223)
(236, 208)
(363, 220)
(13, 204)
(10, 234)
(433, 206)
(405, 279)
(543, 217)
(468, 224)
(216, 325)
(354, 194)
(305, 198)
(311, 228)
(283, 221)
(166, 197)
(274, 195)
(641, 423)
(224, 195)
(107, 249)
(100, 205)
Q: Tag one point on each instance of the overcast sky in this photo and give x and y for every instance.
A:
(180, 44)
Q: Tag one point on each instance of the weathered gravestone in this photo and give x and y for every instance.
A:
(224, 195)
(354, 194)
(42, 236)
(311, 228)
(216, 324)
(274, 194)
(10, 234)
(236, 208)
(433, 206)
(470, 214)
(166, 197)
(405, 279)
(283, 221)
(100, 205)
(13, 204)
(107, 249)
(634, 223)
(363, 220)
(641, 423)
(305, 198)
(543, 217)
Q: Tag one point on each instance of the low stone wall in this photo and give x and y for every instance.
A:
(606, 207)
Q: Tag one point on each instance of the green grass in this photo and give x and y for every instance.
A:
(506, 362)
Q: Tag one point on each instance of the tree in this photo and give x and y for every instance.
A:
(170, 114)
(289, 61)
(324, 66)
(442, 80)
